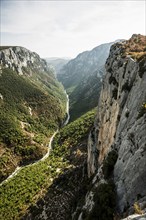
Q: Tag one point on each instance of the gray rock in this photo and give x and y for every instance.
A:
(120, 126)
(22, 60)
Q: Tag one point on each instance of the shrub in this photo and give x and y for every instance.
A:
(142, 66)
(113, 80)
(108, 164)
(9, 130)
(137, 209)
(105, 201)
(127, 114)
(120, 63)
(142, 110)
(110, 70)
(115, 93)
(126, 87)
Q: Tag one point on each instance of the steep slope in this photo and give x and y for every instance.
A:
(117, 144)
(82, 78)
(86, 94)
(51, 188)
(83, 65)
(32, 106)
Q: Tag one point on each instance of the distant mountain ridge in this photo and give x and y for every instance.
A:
(57, 63)
(83, 65)
(76, 76)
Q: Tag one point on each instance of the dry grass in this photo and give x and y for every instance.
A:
(137, 55)
(135, 46)
(137, 209)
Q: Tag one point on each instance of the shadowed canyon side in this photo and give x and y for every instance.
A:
(82, 78)
(117, 144)
(32, 107)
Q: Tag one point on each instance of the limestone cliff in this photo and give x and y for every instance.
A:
(22, 60)
(117, 144)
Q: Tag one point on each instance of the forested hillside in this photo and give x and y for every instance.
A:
(32, 106)
(36, 186)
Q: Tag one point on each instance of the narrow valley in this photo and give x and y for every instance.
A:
(81, 152)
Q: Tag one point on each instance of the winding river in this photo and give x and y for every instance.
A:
(49, 145)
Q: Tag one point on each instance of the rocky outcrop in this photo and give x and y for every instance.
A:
(120, 126)
(135, 217)
(22, 60)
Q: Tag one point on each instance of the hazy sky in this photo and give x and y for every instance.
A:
(66, 28)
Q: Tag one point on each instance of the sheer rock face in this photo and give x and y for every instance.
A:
(121, 124)
(84, 65)
(19, 58)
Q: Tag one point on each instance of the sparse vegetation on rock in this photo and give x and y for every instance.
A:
(108, 163)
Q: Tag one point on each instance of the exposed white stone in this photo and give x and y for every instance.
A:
(30, 110)
(17, 58)
(1, 96)
(135, 217)
(58, 170)
(119, 126)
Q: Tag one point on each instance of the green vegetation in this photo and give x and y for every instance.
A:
(113, 80)
(142, 67)
(105, 193)
(73, 133)
(115, 93)
(126, 86)
(105, 202)
(137, 209)
(22, 190)
(32, 181)
(85, 96)
(108, 163)
(31, 108)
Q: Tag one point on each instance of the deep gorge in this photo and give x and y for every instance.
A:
(96, 167)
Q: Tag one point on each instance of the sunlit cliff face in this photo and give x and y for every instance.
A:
(120, 123)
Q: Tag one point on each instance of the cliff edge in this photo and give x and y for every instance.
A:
(117, 143)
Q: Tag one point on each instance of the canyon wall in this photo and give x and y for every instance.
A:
(117, 143)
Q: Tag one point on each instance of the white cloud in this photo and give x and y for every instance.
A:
(61, 28)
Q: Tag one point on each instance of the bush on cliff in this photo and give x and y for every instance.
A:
(105, 201)
(108, 164)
